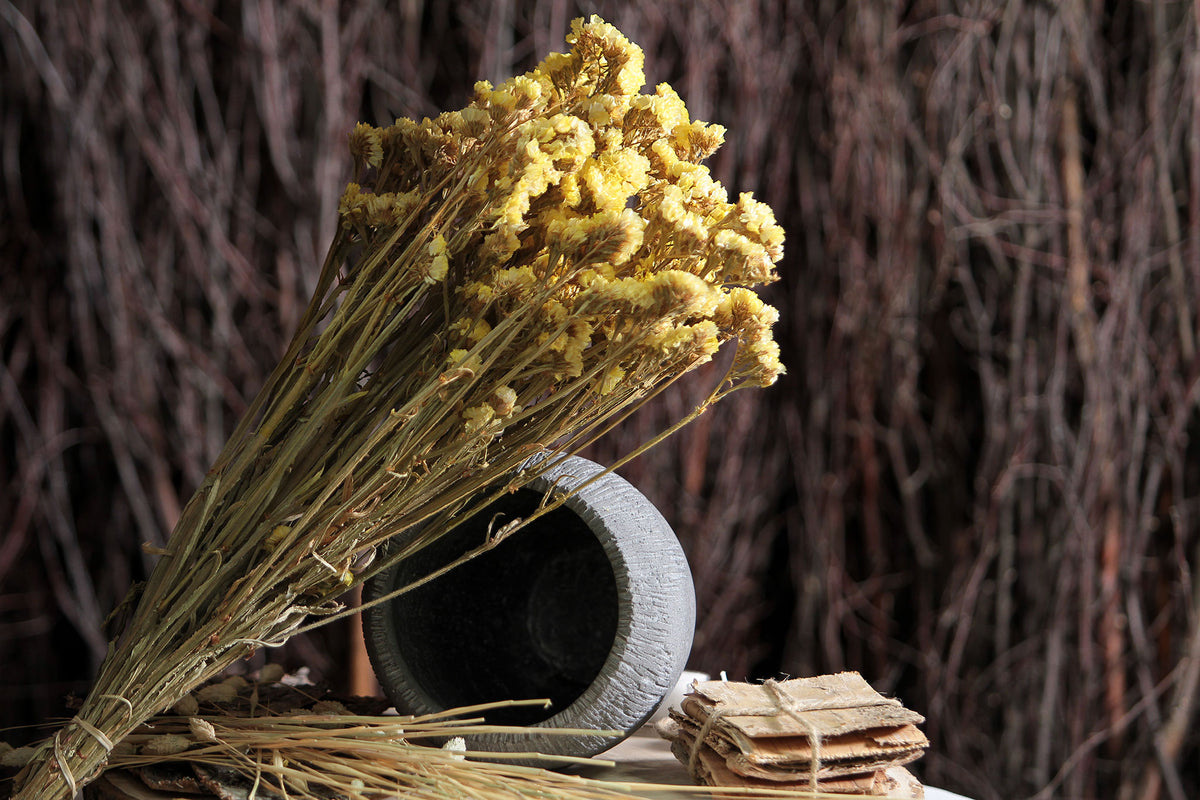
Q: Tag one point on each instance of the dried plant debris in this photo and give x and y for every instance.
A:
(155, 761)
(831, 733)
(288, 744)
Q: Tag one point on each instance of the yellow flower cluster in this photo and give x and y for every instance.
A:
(506, 280)
(579, 238)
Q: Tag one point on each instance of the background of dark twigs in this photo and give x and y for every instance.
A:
(977, 485)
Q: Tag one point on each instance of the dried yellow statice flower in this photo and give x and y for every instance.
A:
(569, 200)
(506, 280)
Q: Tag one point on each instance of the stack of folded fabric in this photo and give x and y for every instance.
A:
(831, 733)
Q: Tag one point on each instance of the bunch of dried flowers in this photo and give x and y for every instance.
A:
(509, 280)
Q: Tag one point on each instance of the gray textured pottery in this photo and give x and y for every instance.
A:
(591, 606)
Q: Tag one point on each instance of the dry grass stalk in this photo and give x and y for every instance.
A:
(508, 280)
(366, 758)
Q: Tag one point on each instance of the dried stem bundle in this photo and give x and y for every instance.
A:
(364, 757)
(507, 281)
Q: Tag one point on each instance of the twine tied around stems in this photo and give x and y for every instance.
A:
(60, 757)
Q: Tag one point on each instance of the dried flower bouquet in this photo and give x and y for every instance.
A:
(508, 280)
